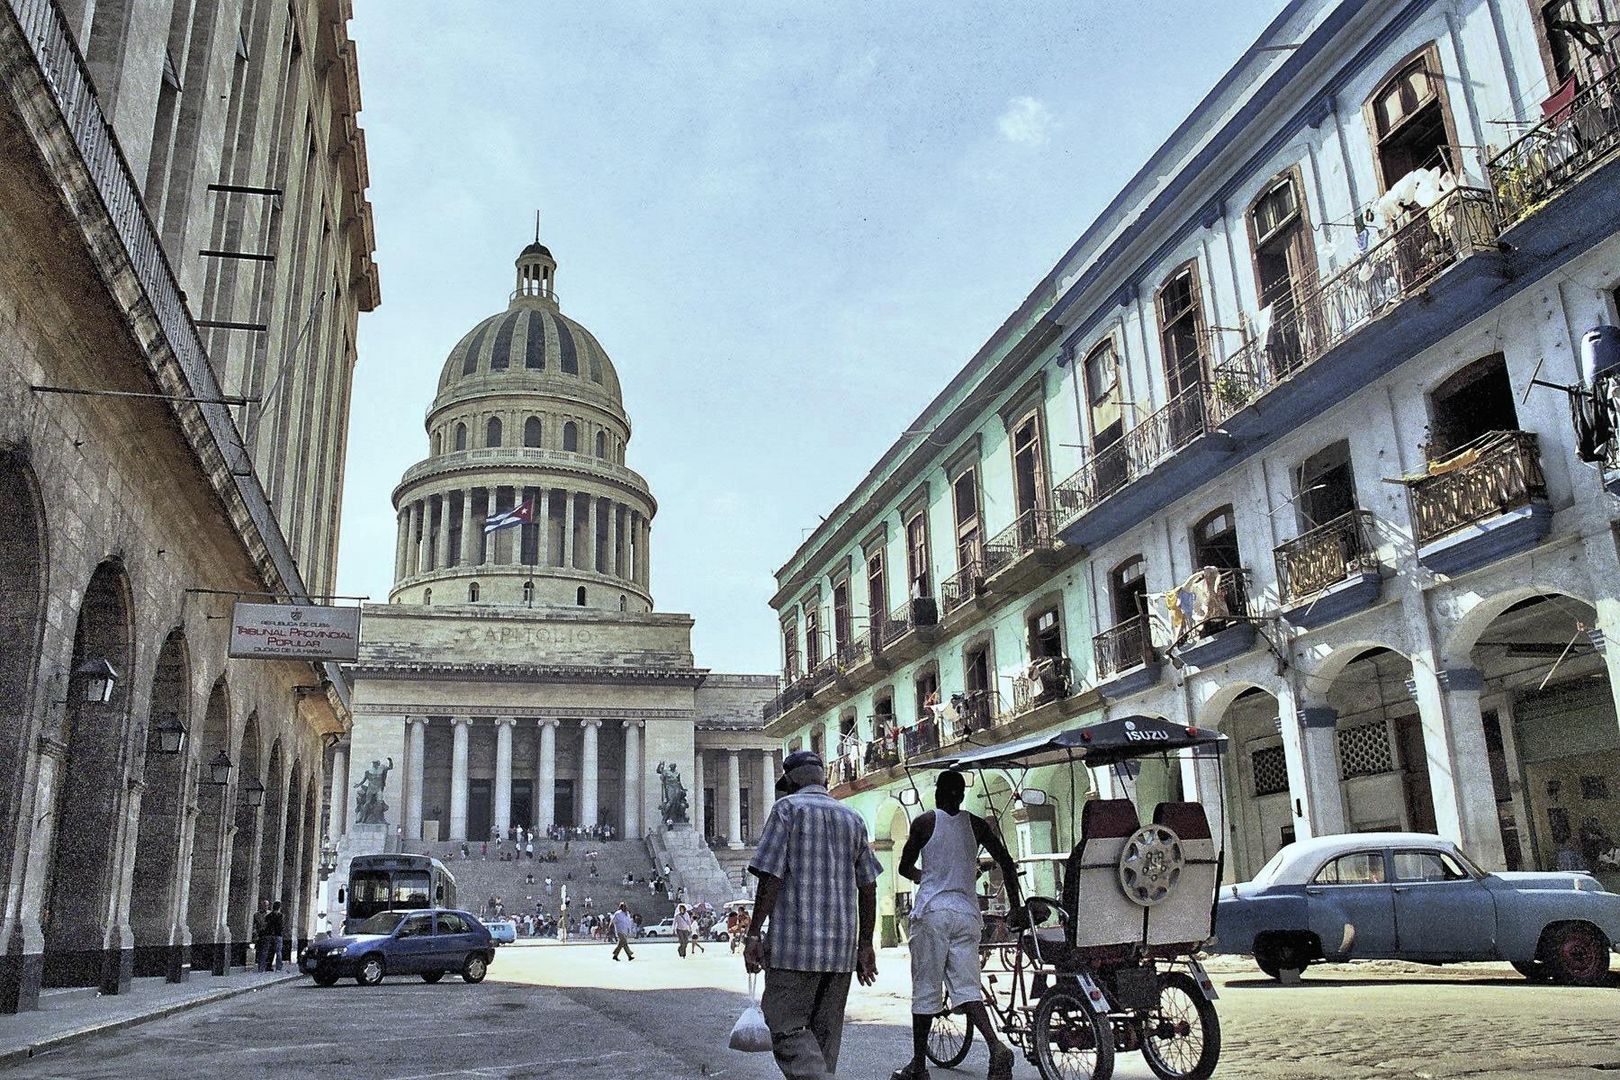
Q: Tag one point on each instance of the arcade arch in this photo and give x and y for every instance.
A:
(154, 910)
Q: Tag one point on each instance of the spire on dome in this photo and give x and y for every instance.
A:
(536, 272)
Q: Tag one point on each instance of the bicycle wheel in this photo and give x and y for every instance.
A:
(1071, 1043)
(1182, 1036)
(949, 1039)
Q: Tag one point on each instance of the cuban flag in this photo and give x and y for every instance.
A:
(521, 514)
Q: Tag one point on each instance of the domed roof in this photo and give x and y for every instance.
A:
(536, 248)
(531, 339)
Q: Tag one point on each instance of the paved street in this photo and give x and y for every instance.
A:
(571, 1012)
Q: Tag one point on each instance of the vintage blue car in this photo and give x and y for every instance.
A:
(1412, 896)
(428, 943)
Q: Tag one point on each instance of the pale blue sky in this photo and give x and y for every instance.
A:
(789, 225)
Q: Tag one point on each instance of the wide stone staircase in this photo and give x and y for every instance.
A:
(734, 862)
(694, 867)
(477, 879)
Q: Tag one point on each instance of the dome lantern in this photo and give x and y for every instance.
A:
(536, 272)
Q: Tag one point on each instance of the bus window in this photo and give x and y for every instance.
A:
(439, 894)
(368, 893)
(410, 888)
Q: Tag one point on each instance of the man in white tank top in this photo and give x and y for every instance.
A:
(946, 927)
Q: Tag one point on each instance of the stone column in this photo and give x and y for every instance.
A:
(469, 541)
(458, 777)
(503, 773)
(592, 505)
(697, 791)
(1459, 769)
(514, 551)
(441, 540)
(615, 564)
(1309, 752)
(403, 520)
(733, 800)
(415, 743)
(587, 772)
(568, 529)
(423, 536)
(632, 779)
(340, 788)
(767, 784)
(645, 557)
(546, 769)
(542, 515)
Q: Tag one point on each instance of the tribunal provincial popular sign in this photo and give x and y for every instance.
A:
(295, 632)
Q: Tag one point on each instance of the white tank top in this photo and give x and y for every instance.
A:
(950, 866)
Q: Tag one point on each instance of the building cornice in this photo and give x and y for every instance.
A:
(507, 712)
(404, 670)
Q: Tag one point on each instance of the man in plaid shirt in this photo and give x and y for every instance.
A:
(818, 891)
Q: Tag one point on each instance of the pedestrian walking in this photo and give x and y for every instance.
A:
(946, 927)
(683, 929)
(623, 927)
(261, 947)
(818, 893)
(274, 926)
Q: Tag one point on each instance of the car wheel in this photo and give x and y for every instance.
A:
(371, 971)
(1575, 954)
(432, 976)
(325, 978)
(1280, 952)
(475, 968)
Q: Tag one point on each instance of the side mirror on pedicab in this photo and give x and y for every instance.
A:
(909, 797)
(1032, 797)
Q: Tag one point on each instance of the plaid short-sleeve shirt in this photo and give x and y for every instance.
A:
(818, 848)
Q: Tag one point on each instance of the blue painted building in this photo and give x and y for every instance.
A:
(1263, 453)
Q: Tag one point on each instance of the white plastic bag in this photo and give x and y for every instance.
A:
(751, 1033)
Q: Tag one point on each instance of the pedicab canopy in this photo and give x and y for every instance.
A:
(1107, 743)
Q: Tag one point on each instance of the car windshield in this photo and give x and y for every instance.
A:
(381, 923)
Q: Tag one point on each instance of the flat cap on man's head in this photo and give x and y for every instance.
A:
(800, 758)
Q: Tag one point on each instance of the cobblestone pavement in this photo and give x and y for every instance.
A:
(571, 1012)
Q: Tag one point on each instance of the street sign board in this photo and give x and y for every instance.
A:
(294, 632)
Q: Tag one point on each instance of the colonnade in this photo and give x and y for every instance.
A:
(728, 819)
(544, 815)
(571, 529)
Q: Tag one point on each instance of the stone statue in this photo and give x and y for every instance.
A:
(673, 806)
(369, 807)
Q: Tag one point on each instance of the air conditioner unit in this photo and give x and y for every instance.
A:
(924, 611)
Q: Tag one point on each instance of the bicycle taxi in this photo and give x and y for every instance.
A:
(1109, 966)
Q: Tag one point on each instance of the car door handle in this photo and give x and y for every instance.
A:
(1399, 888)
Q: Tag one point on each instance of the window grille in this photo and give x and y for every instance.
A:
(1364, 751)
(1270, 771)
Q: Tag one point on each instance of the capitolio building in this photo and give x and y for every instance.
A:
(520, 674)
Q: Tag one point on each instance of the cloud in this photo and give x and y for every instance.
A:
(1027, 121)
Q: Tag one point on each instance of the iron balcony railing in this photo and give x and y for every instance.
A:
(920, 740)
(1047, 678)
(1557, 152)
(1302, 330)
(958, 589)
(882, 751)
(850, 653)
(1326, 555)
(820, 677)
(1495, 473)
(1135, 454)
(1035, 530)
(1122, 647)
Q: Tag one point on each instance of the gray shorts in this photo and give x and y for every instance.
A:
(944, 960)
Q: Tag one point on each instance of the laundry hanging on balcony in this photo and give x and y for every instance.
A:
(1194, 602)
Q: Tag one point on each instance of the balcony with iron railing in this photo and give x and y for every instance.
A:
(1121, 647)
(962, 587)
(1026, 547)
(908, 630)
(1564, 149)
(1046, 679)
(1328, 343)
(1218, 625)
(1482, 502)
(1339, 557)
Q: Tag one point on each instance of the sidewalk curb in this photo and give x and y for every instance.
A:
(19, 1054)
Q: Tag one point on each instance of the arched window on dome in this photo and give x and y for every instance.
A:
(579, 596)
(596, 368)
(433, 444)
(528, 593)
(492, 432)
(461, 437)
(571, 436)
(531, 431)
(427, 596)
(601, 445)
(624, 602)
(472, 593)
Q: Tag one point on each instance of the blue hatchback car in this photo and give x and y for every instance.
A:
(428, 943)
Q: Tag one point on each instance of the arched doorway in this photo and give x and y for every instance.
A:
(275, 826)
(154, 910)
(22, 583)
(1259, 795)
(210, 856)
(1548, 779)
(291, 839)
(894, 895)
(241, 900)
(298, 926)
(82, 879)
(1383, 753)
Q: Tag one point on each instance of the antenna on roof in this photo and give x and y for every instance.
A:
(537, 226)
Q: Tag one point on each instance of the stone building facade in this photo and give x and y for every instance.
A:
(137, 506)
(1284, 379)
(520, 676)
